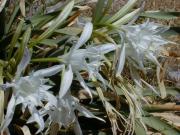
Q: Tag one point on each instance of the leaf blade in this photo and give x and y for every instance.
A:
(58, 21)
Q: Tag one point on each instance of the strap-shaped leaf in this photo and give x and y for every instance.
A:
(15, 37)
(123, 11)
(172, 31)
(127, 18)
(161, 15)
(139, 128)
(13, 15)
(2, 4)
(72, 31)
(22, 7)
(160, 125)
(58, 21)
(99, 10)
(25, 40)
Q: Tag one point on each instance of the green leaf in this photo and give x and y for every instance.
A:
(161, 15)
(39, 20)
(127, 18)
(23, 44)
(98, 14)
(160, 125)
(15, 11)
(107, 7)
(2, 4)
(139, 128)
(57, 22)
(123, 11)
(22, 7)
(15, 37)
(170, 91)
(172, 31)
(50, 42)
(72, 31)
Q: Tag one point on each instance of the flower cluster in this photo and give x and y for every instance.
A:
(138, 42)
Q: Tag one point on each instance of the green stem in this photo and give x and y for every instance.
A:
(55, 59)
(160, 108)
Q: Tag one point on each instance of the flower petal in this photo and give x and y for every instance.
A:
(9, 114)
(83, 84)
(86, 34)
(24, 62)
(77, 128)
(67, 78)
(102, 49)
(48, 71)
(37, 118)
(87, 113)
(121, 61)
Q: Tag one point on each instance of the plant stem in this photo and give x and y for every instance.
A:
(163, 107)
(55, 59)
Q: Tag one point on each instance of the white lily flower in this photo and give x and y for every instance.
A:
(63, 113)
(30, 91)
(88, 59)
(144, 40)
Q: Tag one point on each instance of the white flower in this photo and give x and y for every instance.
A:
(88, 59)
(30, 91)
(63, 113)
(144, 40)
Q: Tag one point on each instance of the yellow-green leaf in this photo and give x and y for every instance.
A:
(22, 7)
(57, 22)
(123, 11)
(127, 18)
(2, 4)
(15, 37)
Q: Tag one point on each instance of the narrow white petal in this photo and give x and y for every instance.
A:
(83, 84)
(87, 113)
(48, 71)
(135, 76)
(150, 86)
(121, 60)
(86, 34)
(9, 114)
(161, 85)
(47, 96)
(66, 81)
(24, 62)
(37, 118)
(103, 49)
(151, 57)
(77, 128)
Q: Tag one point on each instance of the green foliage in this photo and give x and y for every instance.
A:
(161, 15)
(51, 44)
